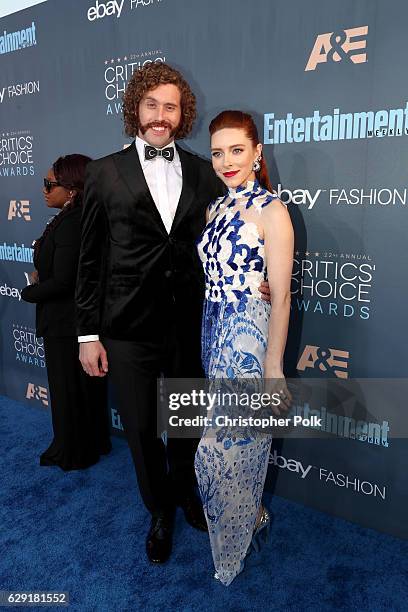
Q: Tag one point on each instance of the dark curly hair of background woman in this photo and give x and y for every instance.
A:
(150, 77)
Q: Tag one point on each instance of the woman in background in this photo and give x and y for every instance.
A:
(78, 402)
(243, 337)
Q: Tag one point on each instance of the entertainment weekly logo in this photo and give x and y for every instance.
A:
(336, 125)
(328, 477)
(17, 40)
(342, 426)
(114, 8)
(29, 350)
(16, 252)
(356, 196)
(17, 154)
(333, 284)
(118, 71)
(340, 46)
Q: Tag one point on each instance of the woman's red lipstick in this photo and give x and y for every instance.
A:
(229, 174)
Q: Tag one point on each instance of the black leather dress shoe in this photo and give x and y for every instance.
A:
(194, 513)
(160, 537)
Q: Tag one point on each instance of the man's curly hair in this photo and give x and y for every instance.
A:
(147, 78)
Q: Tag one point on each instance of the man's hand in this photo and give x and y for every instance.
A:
(93, 358)
(265, 291)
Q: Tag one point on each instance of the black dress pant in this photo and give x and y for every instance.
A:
(165, 473)
(78, 407)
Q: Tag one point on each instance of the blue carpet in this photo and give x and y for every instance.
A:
(84, 533)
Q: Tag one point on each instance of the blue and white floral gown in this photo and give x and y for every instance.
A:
(231, 464)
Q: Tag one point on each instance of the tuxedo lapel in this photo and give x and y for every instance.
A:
(188, 192)
(128, 165)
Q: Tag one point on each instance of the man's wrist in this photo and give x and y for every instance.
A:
(89, 338)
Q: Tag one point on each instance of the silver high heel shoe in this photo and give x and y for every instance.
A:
(261, 531)
(259, 536)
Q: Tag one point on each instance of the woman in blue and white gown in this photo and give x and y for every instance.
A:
(248, 230)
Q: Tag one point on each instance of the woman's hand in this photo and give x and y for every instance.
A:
(277, 386)
(33, 277)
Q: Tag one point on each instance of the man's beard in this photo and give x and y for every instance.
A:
(165, 124)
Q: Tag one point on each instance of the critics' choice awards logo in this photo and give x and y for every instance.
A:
(19, 209)
(118, 71)
(16, 154)
(38, 393)
(19, 89)
(332, 284)
(28, 348)
(342, 46)
(329, 361)
(114, 8)
(336, 125)
(20, 39)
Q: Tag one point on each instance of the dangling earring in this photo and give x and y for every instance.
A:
(71, 195)
(256, 166)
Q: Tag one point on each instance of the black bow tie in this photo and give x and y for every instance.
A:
(152, 152)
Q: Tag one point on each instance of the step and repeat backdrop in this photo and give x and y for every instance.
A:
(327, 85)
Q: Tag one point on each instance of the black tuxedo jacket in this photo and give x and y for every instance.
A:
(135, 279)
(57, 266)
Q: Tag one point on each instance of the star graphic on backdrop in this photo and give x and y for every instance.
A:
(317, 254)
(125, 58)
(307, 253)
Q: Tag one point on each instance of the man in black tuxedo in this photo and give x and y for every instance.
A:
(140, 283)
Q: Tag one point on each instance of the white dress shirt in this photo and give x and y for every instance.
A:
(165, 181)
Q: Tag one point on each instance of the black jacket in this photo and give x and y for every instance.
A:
(135, 279)
(57, 269)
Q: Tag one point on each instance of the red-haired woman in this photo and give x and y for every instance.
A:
(78, 403)
(243, 337)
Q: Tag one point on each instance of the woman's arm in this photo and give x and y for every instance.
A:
(279, 244)
(64, 266)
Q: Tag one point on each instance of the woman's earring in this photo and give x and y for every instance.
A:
(257, 165)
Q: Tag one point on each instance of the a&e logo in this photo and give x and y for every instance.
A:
(37, 392)
(19, 209)
(333, 361)
(345, 45)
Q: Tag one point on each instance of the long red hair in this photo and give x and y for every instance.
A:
(243, 121)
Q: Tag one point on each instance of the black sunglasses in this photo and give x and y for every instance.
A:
(48, 185)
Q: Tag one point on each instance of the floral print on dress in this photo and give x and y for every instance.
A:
(231, 463)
